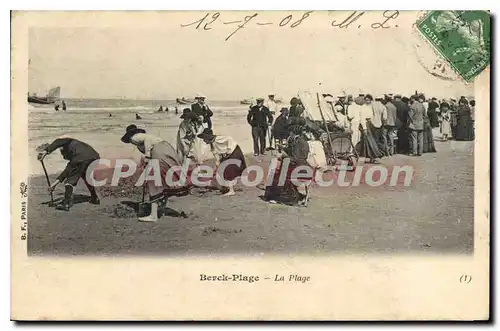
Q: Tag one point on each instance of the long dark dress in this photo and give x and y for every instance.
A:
(233, 171)
(368, 146)
(433, 118)
(453, 122)
(403, 140)
(464, 129)
(429, 146)
(296, 110)
(288, 193)
(280, 127)
(403, 144)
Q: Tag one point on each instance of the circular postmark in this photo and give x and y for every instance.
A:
(429, 58)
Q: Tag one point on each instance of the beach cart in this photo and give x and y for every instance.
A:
(338, 144)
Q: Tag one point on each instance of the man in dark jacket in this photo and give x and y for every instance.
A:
(432, 113)
(340, 105)
(80, 155)
(391, 123)
(259, 117)
(416, 126)
(280, 127)
(200, 108)
(402, 111)
(296, 107)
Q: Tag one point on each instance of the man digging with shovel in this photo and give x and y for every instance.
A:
(80, 155)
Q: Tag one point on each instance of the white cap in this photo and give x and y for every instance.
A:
(330, 99)
(200, 96)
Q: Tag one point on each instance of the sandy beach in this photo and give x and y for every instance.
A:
(433, 215)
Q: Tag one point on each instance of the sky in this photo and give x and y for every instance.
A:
(150, 56)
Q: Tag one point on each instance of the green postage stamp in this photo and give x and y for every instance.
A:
(461, 37)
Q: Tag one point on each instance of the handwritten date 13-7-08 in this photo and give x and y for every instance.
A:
(208, 21)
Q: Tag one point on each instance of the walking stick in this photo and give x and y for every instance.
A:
(48, 182)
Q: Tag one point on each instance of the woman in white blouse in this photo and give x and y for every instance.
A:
(356, 118)
(186, 135)
(228, 157)
(154, 147)
(369, 147)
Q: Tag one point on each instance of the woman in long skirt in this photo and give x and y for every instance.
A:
(464, 122)
(445, 121)
(453, 120)
(228, 158)
(368, 147)
(186, 135)
(286, 192)
(429, 146)
(155, 148)
(433, 115)
(403, 130)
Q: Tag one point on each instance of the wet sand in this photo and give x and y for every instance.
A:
(433, 215)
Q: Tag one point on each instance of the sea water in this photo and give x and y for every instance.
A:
(89, 120)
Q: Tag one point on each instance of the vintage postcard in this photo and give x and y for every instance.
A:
(236, 165)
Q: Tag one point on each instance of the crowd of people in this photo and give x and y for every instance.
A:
(392, 124)
(378, 127)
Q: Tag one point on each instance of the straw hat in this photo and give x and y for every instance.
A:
(187, 113)
(206, 134)
(130, 131)
(330, 99)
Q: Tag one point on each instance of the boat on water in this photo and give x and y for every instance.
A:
(184, 101)
(251, 101)
(51, 97)
(246, 102)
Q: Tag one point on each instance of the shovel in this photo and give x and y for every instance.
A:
(48, 182)
(143, 207)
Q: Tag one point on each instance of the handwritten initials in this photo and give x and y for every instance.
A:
(389, 15)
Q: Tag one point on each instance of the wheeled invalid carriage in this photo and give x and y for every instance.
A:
(339, 147)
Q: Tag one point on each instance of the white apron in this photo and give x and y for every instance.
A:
(200, 150)
(316, 157)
